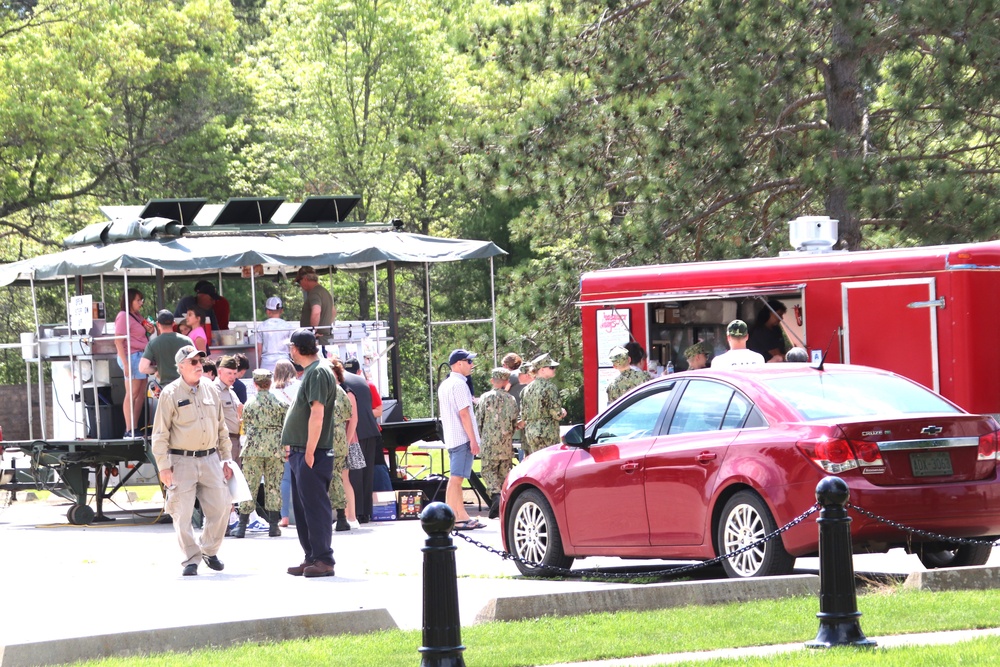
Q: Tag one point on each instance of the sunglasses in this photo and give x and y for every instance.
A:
(193, 362)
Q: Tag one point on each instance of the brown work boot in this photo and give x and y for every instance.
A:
(318, 569)
(299, 570)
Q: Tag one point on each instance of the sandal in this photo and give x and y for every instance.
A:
(471, 524)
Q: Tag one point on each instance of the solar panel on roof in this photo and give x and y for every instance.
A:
(181, 210)
(248, 211)
(325, 209)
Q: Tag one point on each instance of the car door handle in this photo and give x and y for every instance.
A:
(707, 457)
(631, 466)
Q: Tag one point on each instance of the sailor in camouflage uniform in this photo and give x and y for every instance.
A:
(628, 379)
(263, 454)
(697, 355)
(496, 414)
(541, 409)
(342, 413)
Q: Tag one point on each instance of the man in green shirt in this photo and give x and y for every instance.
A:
(158, 357)
(307, 434)
(318, 310)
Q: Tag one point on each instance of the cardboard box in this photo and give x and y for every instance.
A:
(409, 504)
(383, 506)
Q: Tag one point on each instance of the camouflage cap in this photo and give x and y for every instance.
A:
(701, 347)
(526, 367)
(543, 361)
(618, 355)
(500, 373)
(229, 362)
(737, 329)
(262, 375)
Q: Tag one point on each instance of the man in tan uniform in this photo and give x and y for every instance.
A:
(232, 407)
(193, 452)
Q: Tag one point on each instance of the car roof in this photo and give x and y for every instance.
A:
(742, 373)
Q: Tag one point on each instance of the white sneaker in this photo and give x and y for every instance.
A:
(353, 524)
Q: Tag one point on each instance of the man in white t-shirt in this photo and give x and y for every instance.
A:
(272, 334)
(461, 433)
(738, 355)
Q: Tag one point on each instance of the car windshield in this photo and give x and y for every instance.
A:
(831, 395)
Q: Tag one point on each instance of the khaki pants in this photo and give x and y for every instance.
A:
(201, 478)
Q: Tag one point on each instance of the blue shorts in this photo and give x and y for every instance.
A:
(460, 461)
(134, 363)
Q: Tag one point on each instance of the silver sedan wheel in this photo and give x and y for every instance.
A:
(530, 534)
(533, 536)
(744, 525)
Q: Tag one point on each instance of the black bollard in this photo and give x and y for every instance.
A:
(838, 604)
(442, 624)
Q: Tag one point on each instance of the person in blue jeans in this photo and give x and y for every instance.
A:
(308, 437)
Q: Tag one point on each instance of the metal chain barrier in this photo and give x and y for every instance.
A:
(916, 531)
(718, 559)
(658, 573)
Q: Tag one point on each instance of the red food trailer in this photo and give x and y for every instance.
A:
(930, 313)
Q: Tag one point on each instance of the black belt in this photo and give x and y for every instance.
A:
(197, 453)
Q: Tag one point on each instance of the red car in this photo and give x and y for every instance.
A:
(700, 463)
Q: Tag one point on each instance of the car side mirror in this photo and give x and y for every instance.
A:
(574, 436)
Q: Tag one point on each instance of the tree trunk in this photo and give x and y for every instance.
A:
(844, 115)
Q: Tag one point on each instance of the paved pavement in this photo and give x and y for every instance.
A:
(63, 583)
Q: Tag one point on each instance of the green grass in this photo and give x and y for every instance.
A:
(604, 636)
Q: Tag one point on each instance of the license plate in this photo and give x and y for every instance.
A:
(930, 464)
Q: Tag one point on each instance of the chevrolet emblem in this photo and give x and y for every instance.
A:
(931, 430)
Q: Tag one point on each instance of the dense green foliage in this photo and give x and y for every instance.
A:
(575, 135)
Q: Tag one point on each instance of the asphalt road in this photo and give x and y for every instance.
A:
(61, 581)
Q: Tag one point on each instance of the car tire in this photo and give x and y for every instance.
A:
(933, 557)
(533, 536)
(744, 520)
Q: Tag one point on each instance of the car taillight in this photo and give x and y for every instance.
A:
(988, 447)
(868, 453)
(832, 455)
(836, 455)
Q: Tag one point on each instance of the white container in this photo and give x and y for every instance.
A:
(28, 345)
(813, 232)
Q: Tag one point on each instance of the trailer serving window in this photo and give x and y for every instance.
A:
(678, 320)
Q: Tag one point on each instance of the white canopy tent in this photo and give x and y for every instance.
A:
(224, 251)
(228, 252)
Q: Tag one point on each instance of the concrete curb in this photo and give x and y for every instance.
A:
(978, 578)
(180, 639)
(647, 597)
